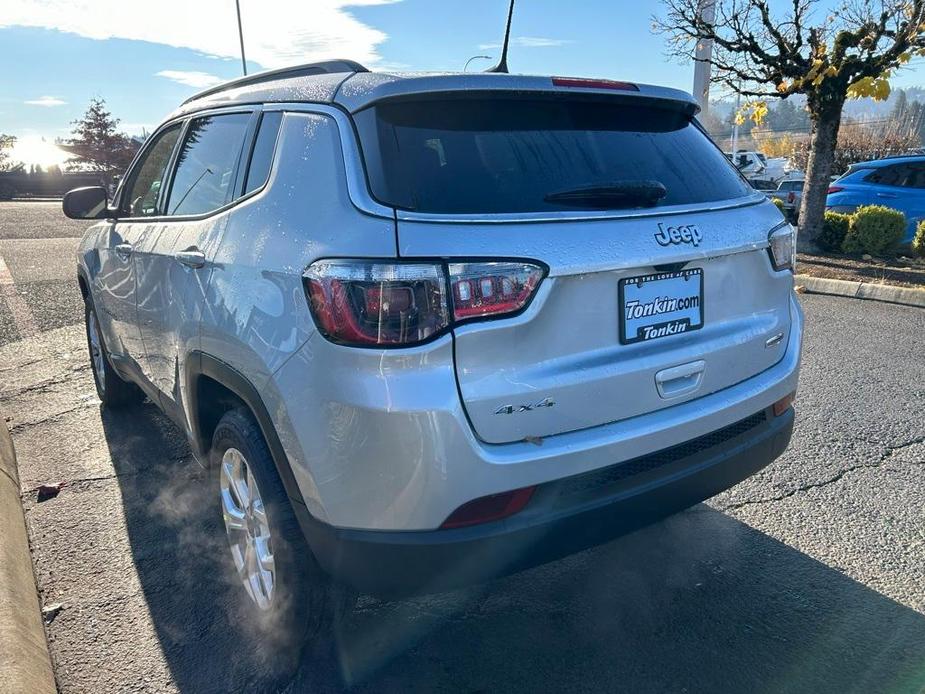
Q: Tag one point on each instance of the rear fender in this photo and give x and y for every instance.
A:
(200, 364)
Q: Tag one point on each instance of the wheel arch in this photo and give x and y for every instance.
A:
(83, 283)
(213, 388)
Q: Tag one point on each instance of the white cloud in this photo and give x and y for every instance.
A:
(539, 42)
(276, 33)
(191, 78)
(528, 42)
(46, 101)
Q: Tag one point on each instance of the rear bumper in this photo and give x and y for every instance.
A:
(564, 516)
(378, 441)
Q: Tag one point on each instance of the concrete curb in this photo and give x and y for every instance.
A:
(906, 296)
(25, 664)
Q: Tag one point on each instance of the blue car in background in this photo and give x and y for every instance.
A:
(897, 182)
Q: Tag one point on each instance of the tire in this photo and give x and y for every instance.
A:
(113, 391)
(299, 622)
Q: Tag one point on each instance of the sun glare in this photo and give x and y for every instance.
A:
(33, 150)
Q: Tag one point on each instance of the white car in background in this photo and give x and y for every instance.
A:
(790, 192)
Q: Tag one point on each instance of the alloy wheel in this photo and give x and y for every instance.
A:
(247, 528)
(96, 351)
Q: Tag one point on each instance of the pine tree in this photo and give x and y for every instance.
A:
(97, 144)
(6, 143)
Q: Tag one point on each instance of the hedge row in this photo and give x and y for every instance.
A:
(872, 229)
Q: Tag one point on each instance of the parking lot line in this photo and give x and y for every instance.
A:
(22, 315)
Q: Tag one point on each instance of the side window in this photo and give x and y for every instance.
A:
(206, 164)
(262, 155)
(140, 198)
(895, 175)
(917, 176)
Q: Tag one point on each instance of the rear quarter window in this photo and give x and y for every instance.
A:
(894, 175)
(503, 155)
(258, 169)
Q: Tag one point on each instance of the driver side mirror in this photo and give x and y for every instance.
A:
(86, 203)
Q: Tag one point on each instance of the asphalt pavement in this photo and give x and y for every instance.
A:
(809, 576)
(37, 269)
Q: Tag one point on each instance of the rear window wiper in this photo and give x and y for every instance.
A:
(616, 194)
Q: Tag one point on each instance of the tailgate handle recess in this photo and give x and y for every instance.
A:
(680, 380)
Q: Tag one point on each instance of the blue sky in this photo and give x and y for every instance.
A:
(144, 59)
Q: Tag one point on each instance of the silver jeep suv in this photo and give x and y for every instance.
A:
(430, 329)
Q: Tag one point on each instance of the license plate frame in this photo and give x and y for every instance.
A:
(656, 326)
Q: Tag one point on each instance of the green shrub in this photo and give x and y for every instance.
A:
(834, 229)
(874, 229)
(780, 205)
(918, 243)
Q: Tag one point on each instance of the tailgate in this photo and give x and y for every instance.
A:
(632, 209)
(561, 365)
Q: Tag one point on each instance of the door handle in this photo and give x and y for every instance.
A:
(191, 257)
(124, 250)
(680, 380)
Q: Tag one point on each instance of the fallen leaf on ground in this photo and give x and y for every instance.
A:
(48, 491)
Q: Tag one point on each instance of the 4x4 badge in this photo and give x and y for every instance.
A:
(511, 409)
(682, 233)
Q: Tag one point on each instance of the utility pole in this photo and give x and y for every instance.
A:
(237, 4)
(703, 53)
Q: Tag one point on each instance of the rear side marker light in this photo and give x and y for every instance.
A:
(834, 189)
(784, 404)
(584, 83)
(489, 508)
(387, 303)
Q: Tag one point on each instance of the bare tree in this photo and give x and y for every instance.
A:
(827, 55)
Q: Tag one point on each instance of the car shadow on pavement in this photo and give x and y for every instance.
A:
(699, 602)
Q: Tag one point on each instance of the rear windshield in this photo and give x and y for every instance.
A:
(495, 155)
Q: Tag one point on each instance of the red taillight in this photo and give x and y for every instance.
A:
(489, 508)
(361, 302)
(491, 289)
(585, 83)
(834, 189)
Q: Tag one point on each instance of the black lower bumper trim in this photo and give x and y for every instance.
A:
(409, 562)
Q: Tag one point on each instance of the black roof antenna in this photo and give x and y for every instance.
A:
(502, 61)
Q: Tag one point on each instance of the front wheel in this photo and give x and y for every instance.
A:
(290, 602)
(112, 390)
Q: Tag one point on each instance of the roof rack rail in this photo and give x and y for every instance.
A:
(322, 68)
